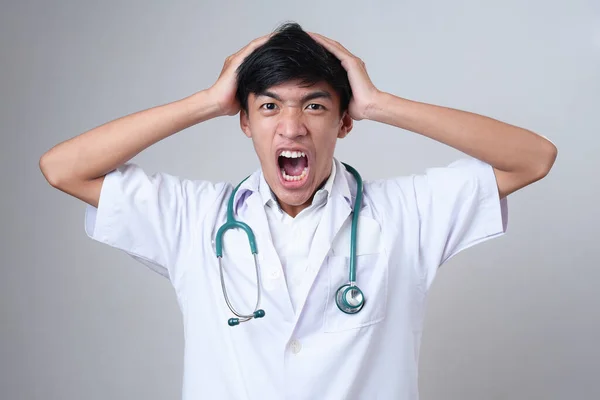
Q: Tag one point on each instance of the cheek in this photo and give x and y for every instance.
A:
(330, 127)
(265, 126)
(262, 140)
(261, 146)
(325, 133)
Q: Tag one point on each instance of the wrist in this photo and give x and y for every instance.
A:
(388, 109)
(376, 106)
(202, 106)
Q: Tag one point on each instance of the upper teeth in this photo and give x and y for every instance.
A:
(292, 154)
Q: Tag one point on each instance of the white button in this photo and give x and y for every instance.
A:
(297, 235)
(298, 279)
(274, 274)
(295, 346)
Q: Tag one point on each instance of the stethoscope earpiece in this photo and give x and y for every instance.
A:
(349, 298)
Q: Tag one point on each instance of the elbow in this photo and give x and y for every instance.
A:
(49, 171)
(550, 157)
(546, 159)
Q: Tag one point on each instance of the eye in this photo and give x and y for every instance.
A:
(268, 106)
(315, 107)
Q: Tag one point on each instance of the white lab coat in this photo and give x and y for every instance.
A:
(408, 227)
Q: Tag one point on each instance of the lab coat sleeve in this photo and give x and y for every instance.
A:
(459, 206)
(153, 218)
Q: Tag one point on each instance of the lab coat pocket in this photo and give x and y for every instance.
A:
(371, 278)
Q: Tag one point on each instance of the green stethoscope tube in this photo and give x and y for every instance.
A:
(349, 298)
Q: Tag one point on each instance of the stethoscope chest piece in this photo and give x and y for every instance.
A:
(349, 298)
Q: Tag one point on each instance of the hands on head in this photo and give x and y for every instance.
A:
(225, 87)
(364, 92)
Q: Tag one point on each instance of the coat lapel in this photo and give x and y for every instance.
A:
(336, 212)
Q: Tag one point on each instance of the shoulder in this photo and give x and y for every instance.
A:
(131, 186)
(461, 173)
(465, 180)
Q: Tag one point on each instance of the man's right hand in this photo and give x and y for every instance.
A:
(224, 89)
(77, 166)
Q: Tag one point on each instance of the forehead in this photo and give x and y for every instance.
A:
(296, 90)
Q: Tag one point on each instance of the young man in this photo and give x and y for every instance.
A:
(296, 94)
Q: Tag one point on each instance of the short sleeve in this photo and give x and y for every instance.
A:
(459, 206)
(150, 217)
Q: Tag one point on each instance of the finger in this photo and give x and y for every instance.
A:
(325, 41)
(335, 47)
(250, 47)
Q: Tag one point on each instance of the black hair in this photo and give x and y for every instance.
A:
(291, 54)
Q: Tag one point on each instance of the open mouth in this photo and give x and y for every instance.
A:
(293, 166)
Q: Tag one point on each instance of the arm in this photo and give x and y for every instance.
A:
(77, 166)
(518, 156)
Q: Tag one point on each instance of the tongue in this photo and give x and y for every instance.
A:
(293, 166)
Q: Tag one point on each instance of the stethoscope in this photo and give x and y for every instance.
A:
(348, 297)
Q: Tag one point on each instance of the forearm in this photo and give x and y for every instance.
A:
(505, 147)
(102, 149)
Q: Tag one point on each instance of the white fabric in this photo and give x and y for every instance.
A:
(408, 227)
(292, 237)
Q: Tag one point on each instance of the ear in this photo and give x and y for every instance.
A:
(245, 123)
(346, 124)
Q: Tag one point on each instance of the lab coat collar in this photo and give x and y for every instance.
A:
(336, 184)
(321, 196)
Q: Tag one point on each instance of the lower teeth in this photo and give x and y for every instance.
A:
(291, 178)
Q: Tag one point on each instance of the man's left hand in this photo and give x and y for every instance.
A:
(364, 92)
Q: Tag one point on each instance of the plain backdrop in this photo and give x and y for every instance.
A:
(514, 318)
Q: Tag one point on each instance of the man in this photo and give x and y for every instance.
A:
(297, 93)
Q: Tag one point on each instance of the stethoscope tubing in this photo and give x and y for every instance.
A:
(232, 223)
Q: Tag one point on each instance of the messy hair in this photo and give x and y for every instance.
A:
(291, 54)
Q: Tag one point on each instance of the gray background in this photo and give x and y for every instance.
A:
(514, 318)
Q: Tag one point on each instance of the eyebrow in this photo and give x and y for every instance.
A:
(320, 94)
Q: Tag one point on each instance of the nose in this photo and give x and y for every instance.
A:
(291, 124)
